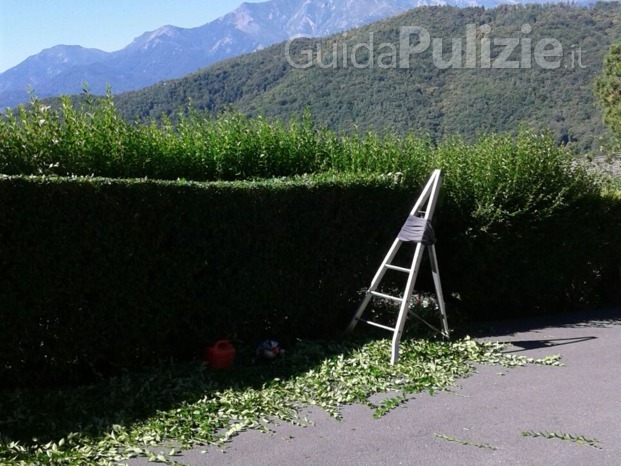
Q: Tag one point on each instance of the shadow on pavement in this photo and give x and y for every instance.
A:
(600, 318)
(526, 345)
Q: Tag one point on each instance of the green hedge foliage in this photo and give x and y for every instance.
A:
(100, 274)
(91, 139)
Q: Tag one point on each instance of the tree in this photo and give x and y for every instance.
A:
(608, 90)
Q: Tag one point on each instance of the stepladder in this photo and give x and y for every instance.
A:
(418, 230)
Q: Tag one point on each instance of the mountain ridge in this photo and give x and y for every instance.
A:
(422, 97)
(172, 52)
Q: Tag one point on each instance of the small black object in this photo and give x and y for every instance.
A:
(417, 230)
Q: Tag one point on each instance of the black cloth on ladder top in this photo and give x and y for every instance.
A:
(417, 230)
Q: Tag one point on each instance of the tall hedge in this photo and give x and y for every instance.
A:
(98, 275)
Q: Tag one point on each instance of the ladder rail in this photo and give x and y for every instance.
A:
(430, 190)
(435, 272)
(403, 310)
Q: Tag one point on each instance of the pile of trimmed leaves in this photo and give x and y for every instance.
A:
(179, 406)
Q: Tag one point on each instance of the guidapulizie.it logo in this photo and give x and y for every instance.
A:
(475, 49)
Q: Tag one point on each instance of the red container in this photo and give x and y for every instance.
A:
(220, 355)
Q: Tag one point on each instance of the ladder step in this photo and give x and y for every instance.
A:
(385, 296)
(375, 324)
(397, 268)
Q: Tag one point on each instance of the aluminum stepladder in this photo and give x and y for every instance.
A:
(417, 229)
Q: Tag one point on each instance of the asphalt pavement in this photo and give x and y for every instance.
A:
(479, 422)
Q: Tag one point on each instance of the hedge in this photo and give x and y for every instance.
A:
(99, 275)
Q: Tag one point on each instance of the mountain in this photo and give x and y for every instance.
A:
(533, 85)
(45, 71)
(172, 52)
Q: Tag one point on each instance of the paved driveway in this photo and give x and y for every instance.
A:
(481, 421)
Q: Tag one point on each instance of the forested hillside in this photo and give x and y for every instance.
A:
(371, 87)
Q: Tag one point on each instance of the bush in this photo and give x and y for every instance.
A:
(528, 227)
(93, 140)
(102, 274)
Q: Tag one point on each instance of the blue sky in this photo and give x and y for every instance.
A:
(29, 26)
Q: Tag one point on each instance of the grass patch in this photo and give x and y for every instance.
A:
(465, 442)
(579, 439)
(186, 405)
